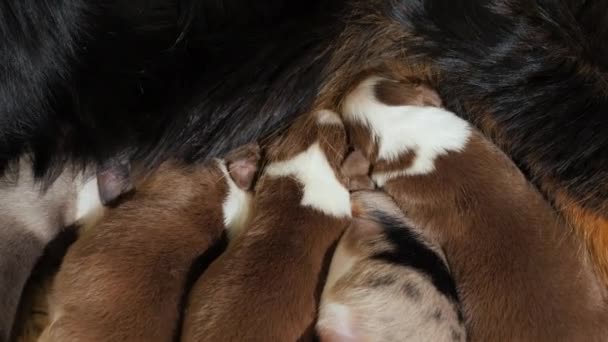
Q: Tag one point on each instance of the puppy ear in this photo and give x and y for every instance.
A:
(356, 171)
(242, 165)
(114, 180)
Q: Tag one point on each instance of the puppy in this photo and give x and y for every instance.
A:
(520, 272)
(388, 281)
(264, 287)
(123, 280)
(32, 215)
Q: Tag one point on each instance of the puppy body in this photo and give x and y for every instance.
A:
(31, 217)
(264, 288)
(520, 272)
(387, 281)
(123, 280)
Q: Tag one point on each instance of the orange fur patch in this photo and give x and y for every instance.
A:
(593, 228)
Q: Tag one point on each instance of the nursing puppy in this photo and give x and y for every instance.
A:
(388, 281)
(124, 279)
(265, 286)
(32, 215)
(531, 75)
(520, 272)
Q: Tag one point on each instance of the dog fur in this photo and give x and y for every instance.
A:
(32, 216)
(520, 273)
(124, 279)
(265, 286)
(388, 281)
(98, 83)
(530, 75)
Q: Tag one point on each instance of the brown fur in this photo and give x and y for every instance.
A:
(521, 274)
(33, 315)
(34, 214)
(123, 280)
(265, 287)
(396, 93)
(373, 42)
(355, 171)
(33, 318)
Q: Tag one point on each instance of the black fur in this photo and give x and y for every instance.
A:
(40, 40)
(83, 79)
(152, 77)
(247, 96)
(408, 250)
(537, 69)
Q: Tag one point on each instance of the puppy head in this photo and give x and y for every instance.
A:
(370, 109)
(363, 239)
(322, 128)
(400, 127)
(309, 155)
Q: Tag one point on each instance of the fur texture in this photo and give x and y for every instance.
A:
(520, 273)
(124, 279)
(388, 281)
(265, 286)
(85, 80)
(530, 75)
(33, 216)
(82, 82)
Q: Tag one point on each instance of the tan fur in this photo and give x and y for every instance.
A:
(123, 280)
(370, 299)
(265, 286)
(522, 275)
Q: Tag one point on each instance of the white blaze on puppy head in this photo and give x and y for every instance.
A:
(322, 189)
(398, 129)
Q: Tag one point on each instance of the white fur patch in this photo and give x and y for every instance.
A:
(88, 203)
(428, 131)
(236, 205)
(322, 190)
(327, 117)
(336, 318)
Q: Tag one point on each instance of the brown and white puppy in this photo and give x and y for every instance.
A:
(124, 279)
(33, 215)
(265, 286)
(520, 272)
(388, 281)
